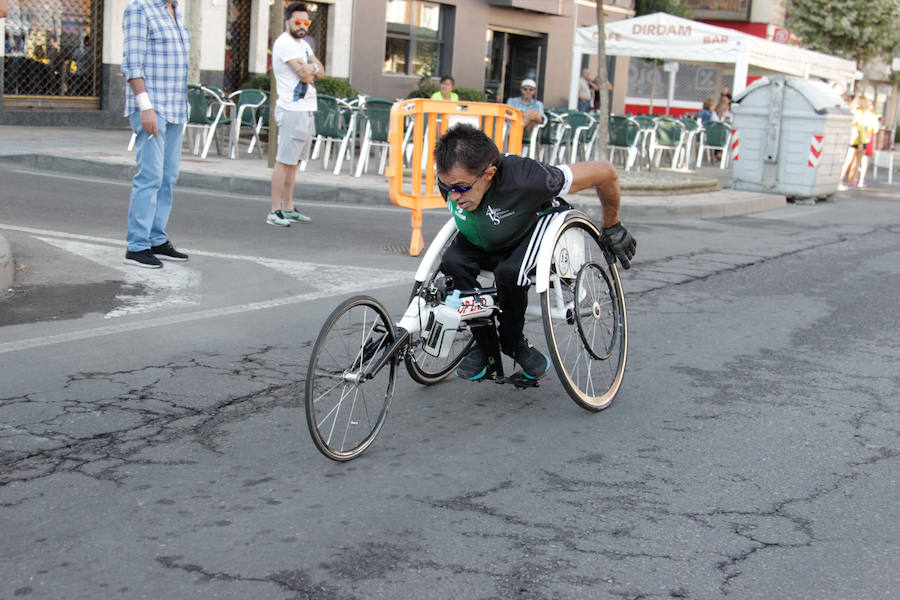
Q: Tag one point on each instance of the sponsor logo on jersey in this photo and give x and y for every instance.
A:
(496, 215)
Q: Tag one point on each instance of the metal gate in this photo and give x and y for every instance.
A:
(53, 53)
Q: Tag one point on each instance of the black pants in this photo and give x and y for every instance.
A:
(463, 261)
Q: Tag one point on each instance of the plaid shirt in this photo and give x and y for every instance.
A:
(156, 49)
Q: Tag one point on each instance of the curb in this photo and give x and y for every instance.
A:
(690, 199)
(655, 189)
(192, 179)
(7, 266)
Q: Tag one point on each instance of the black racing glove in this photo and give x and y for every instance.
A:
(618, 243)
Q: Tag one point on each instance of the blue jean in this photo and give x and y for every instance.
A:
(584, 105)
(158, 161)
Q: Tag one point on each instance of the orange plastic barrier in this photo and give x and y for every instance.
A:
(415, 126)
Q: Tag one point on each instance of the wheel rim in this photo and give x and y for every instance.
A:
(345, 411)
(595, 311)
(584, 317)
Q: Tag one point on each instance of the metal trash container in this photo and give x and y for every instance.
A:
(791, 137)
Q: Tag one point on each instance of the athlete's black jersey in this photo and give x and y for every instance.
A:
(520, 191)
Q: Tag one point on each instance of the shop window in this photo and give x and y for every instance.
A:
(52, 49)
(416, 38)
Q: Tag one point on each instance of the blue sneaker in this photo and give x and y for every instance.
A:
(293, 215)
(534, 363)
(476, 365)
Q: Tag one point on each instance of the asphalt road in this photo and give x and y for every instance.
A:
(153, 442)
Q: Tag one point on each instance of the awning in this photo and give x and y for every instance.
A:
(668, 37)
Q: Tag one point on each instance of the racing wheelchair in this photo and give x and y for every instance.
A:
(353, 366)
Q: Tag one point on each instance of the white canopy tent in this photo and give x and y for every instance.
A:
(668, 37)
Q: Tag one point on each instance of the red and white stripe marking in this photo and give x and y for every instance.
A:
(815, 150)
(735, 144)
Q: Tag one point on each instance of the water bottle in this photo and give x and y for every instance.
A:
(444, 324)
(477, 306)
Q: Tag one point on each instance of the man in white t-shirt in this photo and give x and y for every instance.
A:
(295, 67)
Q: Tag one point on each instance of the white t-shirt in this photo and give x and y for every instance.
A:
(289, 86)
(584, 90)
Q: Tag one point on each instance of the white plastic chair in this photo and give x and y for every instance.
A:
(247, 103)
(716, 135)
(378, 119)
(668, 136)
(334, 126)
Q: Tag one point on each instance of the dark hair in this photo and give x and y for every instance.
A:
(466, 146)
(294, 7)
(447, 78)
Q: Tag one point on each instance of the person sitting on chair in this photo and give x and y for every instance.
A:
(502, 205)
(532, 109)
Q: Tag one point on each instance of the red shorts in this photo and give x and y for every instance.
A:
(870, 148)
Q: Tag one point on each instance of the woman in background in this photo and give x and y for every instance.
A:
(707, 113)
(445, 93)
(723, 110)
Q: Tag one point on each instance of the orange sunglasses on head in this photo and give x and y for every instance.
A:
(306, 22)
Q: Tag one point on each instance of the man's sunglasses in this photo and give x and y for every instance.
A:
(459, 189)
(306, 22)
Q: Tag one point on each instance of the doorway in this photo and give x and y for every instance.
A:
(512, 57)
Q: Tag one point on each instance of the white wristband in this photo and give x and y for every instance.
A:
(143, 101)
(315, 68)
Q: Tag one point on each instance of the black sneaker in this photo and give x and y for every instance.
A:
(167, 251)
(475, 365)
(144, 258)
(533, 362)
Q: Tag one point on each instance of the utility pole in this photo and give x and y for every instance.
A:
(194, 19)
(276, 26)
(602, 80)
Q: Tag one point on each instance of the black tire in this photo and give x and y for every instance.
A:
(588, 338)
(343, 412)
(422, 367)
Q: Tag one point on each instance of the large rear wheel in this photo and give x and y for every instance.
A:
(584, 316)
(344, 410)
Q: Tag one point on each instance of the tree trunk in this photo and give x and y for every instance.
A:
(602, 79)
(276, 26)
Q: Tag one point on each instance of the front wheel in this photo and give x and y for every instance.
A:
(584, 317)
(345, 411)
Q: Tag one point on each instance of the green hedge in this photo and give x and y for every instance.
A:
(261, 82)
(335, 86)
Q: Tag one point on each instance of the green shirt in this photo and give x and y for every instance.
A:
(454, 97)
(521, 191)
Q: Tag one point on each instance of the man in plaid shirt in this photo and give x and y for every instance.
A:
(155, 65)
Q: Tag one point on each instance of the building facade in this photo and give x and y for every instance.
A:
(62, 58)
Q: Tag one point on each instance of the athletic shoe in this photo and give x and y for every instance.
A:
(277, 218)
(167, 251)
(842, 187)
(475, 365)
(293, 215)
(533, 362)
(862, 184)
(144, 258)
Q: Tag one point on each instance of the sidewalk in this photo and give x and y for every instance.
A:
(102, 153)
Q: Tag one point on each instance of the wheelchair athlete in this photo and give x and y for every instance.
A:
(502, 206)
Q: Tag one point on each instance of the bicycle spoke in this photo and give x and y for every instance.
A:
(344, 417)
(587, 336)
